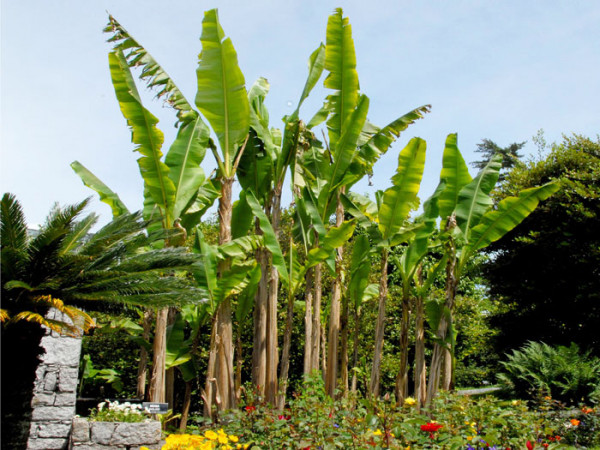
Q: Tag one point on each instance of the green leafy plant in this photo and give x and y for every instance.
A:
(91, 374)
(564, 373)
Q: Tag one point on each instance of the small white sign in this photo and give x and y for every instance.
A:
(156, 408)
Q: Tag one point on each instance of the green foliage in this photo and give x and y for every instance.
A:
(90, 373)
(560, 372)
(66, 267)
(453, 421)
(543, 297)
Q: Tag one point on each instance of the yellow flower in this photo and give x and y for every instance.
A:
(409, 401)
(210, 434)
(222, 432)
(233, 438)
(222, 439)
(377, 432)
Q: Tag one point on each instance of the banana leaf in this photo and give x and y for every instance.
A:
(456, 176)
(340, 61)
(106, 194)
(399, 199)
(152, 73)
(474, 199)
(147, 137)
(184, 159)
(510, 212)
(221, 95)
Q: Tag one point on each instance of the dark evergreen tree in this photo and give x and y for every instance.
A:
(510, 155)
(546, 272)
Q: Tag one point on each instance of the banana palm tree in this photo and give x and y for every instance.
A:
(470, 222)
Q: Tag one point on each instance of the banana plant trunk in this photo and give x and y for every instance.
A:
(170, 373)
(159, 351)
(440, 348)
(379, 330)
(222, 344)
(344, 348)
(259, 350)
(285, 355)
(334, 316)
(271, 384)
(143, 363)
(315, 352)
(187, 401)
(402, 377)
(308, 321)
(420, 367)
(357, 323)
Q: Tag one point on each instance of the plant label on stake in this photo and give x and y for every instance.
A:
(156, 408)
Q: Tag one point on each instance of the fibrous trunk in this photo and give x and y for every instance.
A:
(420, 367)
(334, 316)
(222, 341)
(259, 350)
(379, 330)
(355, 350)
(308, 321)
(285, 355)
(402, 377)
(315, 352)
(159, 348)
(143, 363)
(344, 348)
(271, 384)
(441, 347)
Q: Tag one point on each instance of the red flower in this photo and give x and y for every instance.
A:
(282, 417)
(250, 409)
(529, 445)
(431, 427)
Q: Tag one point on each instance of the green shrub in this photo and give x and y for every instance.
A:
(563, 373)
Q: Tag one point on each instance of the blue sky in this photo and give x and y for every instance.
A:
(496, 69)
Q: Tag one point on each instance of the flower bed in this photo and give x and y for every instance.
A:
(114, 425)
(103, 435)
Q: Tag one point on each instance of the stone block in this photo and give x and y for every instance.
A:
(47, 444)
(50, 380)
(91, 446)
(65, 399)
(136, 433)
(42, 399)
(61, 350)
(102, 432)
(54, 430)
(53, 413)
(67, 379)
(80, 431)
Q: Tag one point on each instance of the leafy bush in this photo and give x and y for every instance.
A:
(563, 373)
(313, 420)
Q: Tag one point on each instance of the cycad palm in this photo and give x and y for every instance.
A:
(65, 267)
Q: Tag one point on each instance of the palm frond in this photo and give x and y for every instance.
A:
(13, 236)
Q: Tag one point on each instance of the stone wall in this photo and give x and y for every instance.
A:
(55, 390)
(112, 435)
